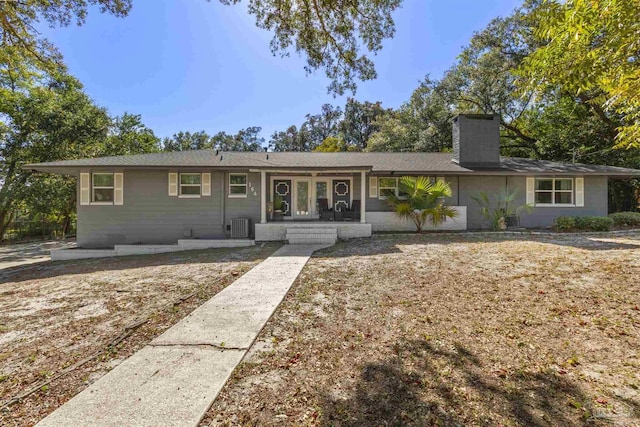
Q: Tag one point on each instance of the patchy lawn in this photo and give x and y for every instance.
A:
(450, 330)
(53, 315)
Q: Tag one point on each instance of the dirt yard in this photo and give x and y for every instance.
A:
(451, 330)
(54, 315)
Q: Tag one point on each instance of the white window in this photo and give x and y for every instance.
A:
(554, 191)
(103, 188)
(190, 184)
(392, 185)
(237, 185)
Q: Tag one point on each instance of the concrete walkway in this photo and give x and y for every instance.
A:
(174, 380)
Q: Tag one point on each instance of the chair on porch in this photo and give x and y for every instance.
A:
(354, 212)
(326, 213)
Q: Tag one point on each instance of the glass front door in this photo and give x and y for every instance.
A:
(302, 197)
(322, 192)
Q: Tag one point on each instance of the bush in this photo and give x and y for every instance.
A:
(564, 223)
(583, 223)
(626, 219)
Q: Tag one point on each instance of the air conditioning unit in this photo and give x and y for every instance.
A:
(240, 228)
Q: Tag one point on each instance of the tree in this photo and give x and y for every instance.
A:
(331, 144)
(183, 141)
(51, 121)
(421, 201)
(421, 124)
(291, 139)
(484, 78)
(331, 33)
(590, 49)
(248, 139)
(335, 36)
(321, 126)
(21, 41)
(128, 135)
(359, 122)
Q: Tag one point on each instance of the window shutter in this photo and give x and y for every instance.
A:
(206, 184)
(373, 187)
(531, 190)
(118, 189)
(85, 188)
(173, 184)
(441, 179)
(580, 191)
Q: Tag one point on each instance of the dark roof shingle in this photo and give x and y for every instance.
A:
(376, 162)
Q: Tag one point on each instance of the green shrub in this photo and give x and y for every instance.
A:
(583, 223)
(564, 223)
(626, 219)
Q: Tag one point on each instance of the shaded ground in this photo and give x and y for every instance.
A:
(450, 330)
(15, 254)
(53, 315)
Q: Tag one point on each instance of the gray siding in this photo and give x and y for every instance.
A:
(595, 199)
(595, 202)
(149, 214)
(381, 205)
(248, 207)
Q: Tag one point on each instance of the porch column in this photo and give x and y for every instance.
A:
(363, 195)
(263, 197)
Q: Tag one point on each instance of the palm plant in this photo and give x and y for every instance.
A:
(421, 201)
(497, 213)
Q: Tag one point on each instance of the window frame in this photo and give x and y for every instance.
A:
(396, 189)
(180, 185)
(245, 185)
(381, 188)
(94, 187)
(554, 191)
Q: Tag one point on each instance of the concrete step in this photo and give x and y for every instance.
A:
(299, 240)
(311, 230)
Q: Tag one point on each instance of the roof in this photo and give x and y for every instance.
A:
(378, 162)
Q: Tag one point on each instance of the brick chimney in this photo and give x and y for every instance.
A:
(476, 140)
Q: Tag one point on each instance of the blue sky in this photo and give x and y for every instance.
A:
(197, 65)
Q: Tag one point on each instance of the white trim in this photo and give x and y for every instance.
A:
(111, 187)
(180, 185)
(263, 197)
(363, 199)
(551, 205)
(118, 188)
(205, 181)
(373, 187)
(101, 203)
(553, 191)
(173, 184)
(531, 190)
(245, 185)
(85, 188)
(294, 198)
(579, 189)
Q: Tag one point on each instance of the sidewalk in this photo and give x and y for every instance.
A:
(174, 380)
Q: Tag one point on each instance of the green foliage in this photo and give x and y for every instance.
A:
(422, 201)
(496, 210)
(582, 223)
(248, 139)
(23, 49)
(331, 145)
(334, 36)
(359, 123)
(589, 48)
(626, 219)
(421, 124)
